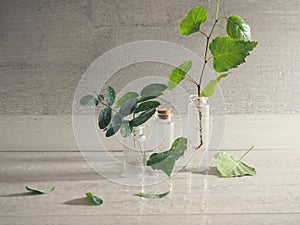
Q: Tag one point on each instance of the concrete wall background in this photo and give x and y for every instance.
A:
(45, 47)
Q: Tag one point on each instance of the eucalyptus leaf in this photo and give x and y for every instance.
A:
(165, 161)
(238, 29)
(110, 95)
(152, 195)
(178, 74)
(229, 167)
(114, 125)
(104, 117)
(89, 101)
(125, 97)
(210, 88)
(229, 53)
(40, 191)
(191, 23)
(142, 118)
(153, 90)
(101, 98)
(128, 106)
(93, 199)
(145, 106)
(125, 129)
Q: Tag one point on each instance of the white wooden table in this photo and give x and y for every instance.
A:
(40, 151)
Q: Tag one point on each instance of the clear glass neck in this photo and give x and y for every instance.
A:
(195, 99)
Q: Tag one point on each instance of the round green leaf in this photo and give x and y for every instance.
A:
(142, 118)
(110, 95)
(89, 101)
(238, 29)
(153, 90)
(145, 106)
(126, 97)
(114, 125)
(191, 23)
(94, 199)
(125, 129)
(128, 107)
(104, 118)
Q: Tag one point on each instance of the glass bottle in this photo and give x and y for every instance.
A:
(134, 153)
(164, 129)
(198, 132)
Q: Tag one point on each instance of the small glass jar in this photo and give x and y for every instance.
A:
(198, 132)
(164, 129)
(134, 153)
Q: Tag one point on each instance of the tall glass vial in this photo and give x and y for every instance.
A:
(198, 132)
(164, 129)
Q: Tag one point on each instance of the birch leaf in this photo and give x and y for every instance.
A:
(40, 191)
(229, 167)
(152, 195)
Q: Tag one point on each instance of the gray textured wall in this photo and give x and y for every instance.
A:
(45, 46)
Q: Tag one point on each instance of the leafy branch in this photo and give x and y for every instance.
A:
(227, 52)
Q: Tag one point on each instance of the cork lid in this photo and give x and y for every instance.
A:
(164, 113)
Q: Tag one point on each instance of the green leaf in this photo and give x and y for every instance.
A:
(229, 167)
(145, 106)
(114, 125)
(152, 195)
(191, 23)
(101, 98)
(125, 97)
(40, 191)
(178, 74)
(110, 95)
(125, 129)
(142, 118)
(238, 29)
(165, 161)
(228, 53)
(128, 106)
(104, 118)
(93, 199)
(153, 90)
(89, 101)
(210, 88)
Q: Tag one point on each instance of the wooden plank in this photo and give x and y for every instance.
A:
(245, 219)
(275, 188)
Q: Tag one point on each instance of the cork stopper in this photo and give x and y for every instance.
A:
(164, 114)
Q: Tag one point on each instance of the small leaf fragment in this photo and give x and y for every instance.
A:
(125, 97)
(165, 161)
(142, 118)
(93, 199)
(191, 23)
(153, 90)
(229, 167)
(89, 101)
(210, 88)
(110, 95)
(125, 129)
(104, 117)
(229, 53)
(101, 97)
(178, 74)
(152, 195)
(145, 106)
(40, 191)
(238, 29)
